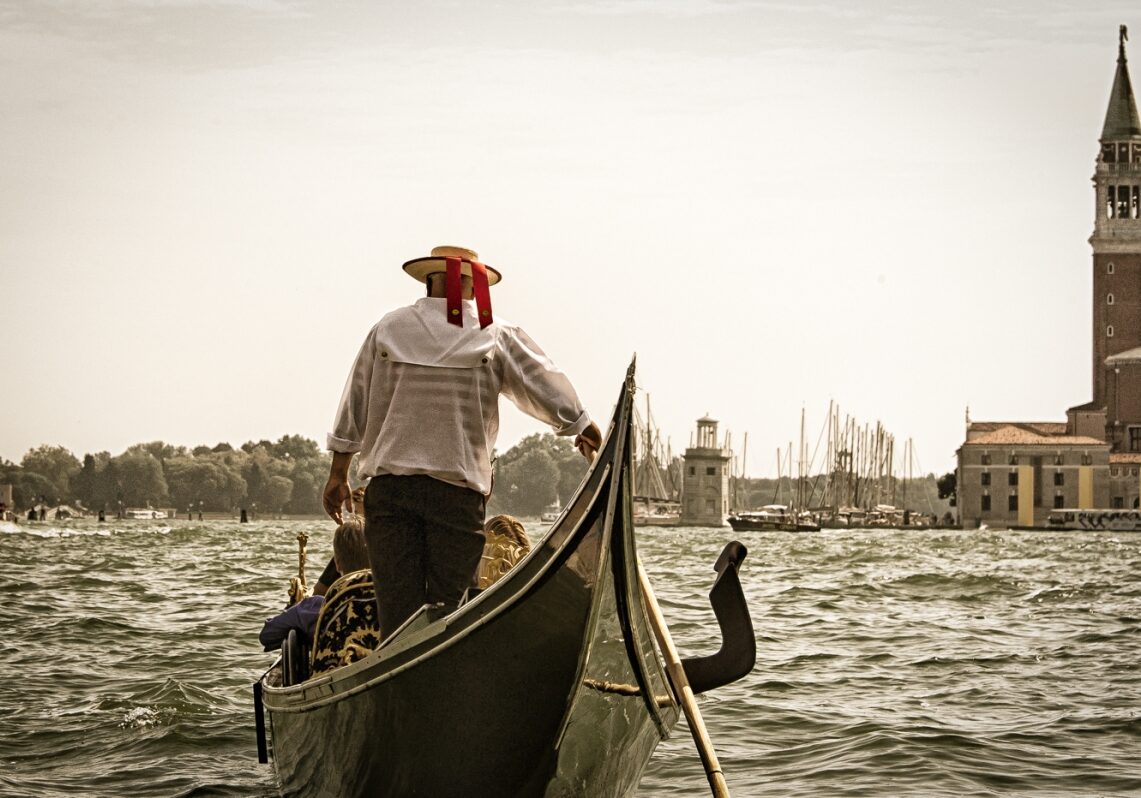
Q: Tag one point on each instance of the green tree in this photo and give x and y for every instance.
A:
(86, 486)
(56, 464)
(140, 479)
(191, 480)
(29, 488)
(275, 494)
(529, 483)
(309, 477)
(160, 450)
(947, 485)
(295, 447)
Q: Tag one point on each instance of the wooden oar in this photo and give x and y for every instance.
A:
(676, 672)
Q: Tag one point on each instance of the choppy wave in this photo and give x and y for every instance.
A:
(889, 663)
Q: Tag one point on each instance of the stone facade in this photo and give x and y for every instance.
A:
(1015, 475)
(705, 481)
(1125, 481)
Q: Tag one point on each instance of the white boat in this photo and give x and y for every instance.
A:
(144, 514)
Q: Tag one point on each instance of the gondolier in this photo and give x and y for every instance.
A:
(421, 407)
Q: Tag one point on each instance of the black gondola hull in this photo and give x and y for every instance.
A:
(546, 684)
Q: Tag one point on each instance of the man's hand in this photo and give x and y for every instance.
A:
(589, 441)
(337, 490)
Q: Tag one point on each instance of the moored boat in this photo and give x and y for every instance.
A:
(773, 517)
(546, 684)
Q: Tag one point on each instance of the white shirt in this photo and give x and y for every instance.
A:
(423, 395)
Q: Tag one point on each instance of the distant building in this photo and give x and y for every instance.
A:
(1015, 473)
(705, 479)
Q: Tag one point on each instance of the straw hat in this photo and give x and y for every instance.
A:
(420, 268)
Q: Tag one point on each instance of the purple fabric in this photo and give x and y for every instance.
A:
(302, 616)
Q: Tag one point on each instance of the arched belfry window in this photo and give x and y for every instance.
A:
(1123, 201)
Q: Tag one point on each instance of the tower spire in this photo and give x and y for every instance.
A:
(1121, 119)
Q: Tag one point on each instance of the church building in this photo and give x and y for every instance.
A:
(1015, 473)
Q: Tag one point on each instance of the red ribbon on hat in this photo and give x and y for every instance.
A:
(482, 293)
(454, 292)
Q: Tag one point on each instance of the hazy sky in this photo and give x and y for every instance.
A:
(204, 206)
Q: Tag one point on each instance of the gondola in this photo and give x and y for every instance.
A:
(548, 683)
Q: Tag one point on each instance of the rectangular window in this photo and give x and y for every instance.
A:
(1087, 459)
(1059, 459)
(986, 458)
(710, 471)
(1059, 478)
(986, 502)
(986, 478)
(692, 471)
(1135, 439)
(1123, 202)
(1013, 459)
(1012, 502)
(1118, 502)
(1059, 501)
(1012, 478)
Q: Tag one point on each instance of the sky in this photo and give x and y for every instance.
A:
(204, 207)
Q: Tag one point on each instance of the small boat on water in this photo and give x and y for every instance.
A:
(144, 514)
(773, 517)
(656, 512)
(548, 683)
(551, 513)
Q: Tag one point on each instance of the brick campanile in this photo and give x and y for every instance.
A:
(1116, 239)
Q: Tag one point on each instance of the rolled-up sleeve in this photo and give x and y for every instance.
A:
(352, 413)
(538, 387)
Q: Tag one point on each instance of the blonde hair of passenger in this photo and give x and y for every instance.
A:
(349, 548)
(506, 526)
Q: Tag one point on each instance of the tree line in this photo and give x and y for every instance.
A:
(286, 476)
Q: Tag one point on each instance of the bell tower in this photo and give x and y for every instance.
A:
(1116, 238)
(1116, 243)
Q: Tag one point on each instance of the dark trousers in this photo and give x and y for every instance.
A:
(425, 539)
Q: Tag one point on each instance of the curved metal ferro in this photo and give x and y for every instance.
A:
(738, 653)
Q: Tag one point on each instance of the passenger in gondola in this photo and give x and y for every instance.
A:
(350, 554)
(331, 574)
(507, 543)
(421, 407)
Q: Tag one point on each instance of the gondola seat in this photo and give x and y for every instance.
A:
(347, 629)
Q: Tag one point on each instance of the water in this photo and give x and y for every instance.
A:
(889, 663)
